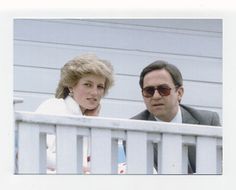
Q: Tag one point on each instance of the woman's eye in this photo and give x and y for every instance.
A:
(101, 87)
(88, 84)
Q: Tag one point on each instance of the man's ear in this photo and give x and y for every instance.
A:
(180, 92)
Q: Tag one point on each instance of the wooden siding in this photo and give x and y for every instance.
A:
(41, 48)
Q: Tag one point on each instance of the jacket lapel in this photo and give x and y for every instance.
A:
(187, 117)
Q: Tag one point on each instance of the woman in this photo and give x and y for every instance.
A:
(83, 82)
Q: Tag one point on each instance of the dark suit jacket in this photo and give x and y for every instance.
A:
(191, 116)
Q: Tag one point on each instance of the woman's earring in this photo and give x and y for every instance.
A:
(71, 94)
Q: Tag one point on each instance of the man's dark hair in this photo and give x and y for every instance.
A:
(158, 65)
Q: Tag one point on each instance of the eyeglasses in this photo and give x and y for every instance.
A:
(149, 91)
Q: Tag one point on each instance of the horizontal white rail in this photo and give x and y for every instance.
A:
(140, 136)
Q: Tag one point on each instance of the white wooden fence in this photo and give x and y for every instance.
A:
(104, 133)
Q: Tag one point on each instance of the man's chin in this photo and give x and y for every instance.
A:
(158, 114)
(157, 111)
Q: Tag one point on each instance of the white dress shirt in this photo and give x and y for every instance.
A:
(176, 119)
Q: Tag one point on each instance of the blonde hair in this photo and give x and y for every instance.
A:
(78, 67)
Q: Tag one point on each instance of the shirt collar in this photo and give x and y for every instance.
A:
(72, 106)
(176, 119)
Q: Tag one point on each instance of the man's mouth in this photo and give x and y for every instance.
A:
(157, 105)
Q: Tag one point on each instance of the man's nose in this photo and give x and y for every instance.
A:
(156, 94)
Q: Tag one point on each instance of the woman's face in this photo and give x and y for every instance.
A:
(88, 91)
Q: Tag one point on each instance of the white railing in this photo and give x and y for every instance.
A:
(104, 133)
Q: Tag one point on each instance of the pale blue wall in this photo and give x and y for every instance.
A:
(41, 47)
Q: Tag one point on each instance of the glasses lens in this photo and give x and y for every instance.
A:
(148, 91)
(164, 90)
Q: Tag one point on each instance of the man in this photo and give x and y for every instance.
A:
(162, 90)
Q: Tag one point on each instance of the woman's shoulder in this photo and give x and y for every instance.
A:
(52, 106)
(52, 102)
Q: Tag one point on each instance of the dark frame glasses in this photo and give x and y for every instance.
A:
(149, 91)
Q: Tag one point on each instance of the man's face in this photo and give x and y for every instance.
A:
(163, 107)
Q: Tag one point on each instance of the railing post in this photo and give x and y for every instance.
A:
(32, 149)
(66, 146)
(114, 156)
(206, 161)
(171, 154)
(150, 157)
(185, 159)
(219, 160)
(136, 152)
(101, 158)
(80, 154)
